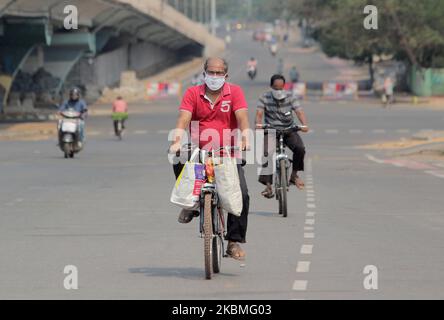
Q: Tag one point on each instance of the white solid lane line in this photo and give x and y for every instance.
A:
(372, 158)
(438, 174)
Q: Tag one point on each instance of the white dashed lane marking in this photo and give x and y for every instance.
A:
(141, 132)
(300, 285)
(307, 249)
(309, 235)
(303, 266)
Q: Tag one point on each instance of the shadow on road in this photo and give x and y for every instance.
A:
(183, 273)
(263, 213)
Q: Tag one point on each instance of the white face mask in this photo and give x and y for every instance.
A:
(279, 94)
(214, 83)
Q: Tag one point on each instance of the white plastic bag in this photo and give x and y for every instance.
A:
(186, 191)
(228, 185)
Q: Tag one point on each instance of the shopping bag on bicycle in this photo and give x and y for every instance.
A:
(228, 185)
(186, 191)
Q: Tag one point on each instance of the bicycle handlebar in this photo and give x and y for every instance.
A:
(294, 126)
(189, 147)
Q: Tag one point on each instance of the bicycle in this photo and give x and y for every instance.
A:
(282, 161)
(118, 120)
(212, 225)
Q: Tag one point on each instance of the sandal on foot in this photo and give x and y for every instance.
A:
(298, 182)
(268, 193)
(235, 251)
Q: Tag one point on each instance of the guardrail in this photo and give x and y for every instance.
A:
(156, 90)
(340, 90)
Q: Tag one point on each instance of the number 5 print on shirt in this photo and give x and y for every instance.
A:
(225, 107)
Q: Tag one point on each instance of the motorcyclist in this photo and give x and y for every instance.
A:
(252, 67)
(280, 67)
(74, 102)
(294, 74)
(273, 46)
(252, 63)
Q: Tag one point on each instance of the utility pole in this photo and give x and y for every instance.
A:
(249, 9)
(206, 16)
(213, 16)
(186, 7)
(194, 10)
(201, 11)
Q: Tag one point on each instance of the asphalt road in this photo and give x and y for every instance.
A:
(107, 212)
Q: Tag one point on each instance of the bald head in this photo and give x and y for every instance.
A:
(216, 63)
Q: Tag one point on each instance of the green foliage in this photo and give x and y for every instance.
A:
(408, 29)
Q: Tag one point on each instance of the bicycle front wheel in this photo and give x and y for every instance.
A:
(217, 253)
(283, 189)
(208, 235)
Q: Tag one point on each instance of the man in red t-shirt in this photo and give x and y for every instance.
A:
(219, 108)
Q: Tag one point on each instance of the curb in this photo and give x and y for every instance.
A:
(27, 117)
(26, 134)
(433, 146)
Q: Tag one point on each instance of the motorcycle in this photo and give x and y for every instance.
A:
(252, 71)
(273, 49)
(69, 133)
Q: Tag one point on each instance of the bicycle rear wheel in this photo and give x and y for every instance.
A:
(283, 189)
(208, 235)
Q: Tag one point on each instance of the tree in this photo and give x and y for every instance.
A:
(410, 30)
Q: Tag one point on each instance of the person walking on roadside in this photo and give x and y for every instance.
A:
(389, 85)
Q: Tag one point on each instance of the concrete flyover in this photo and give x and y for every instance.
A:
(40, 58)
